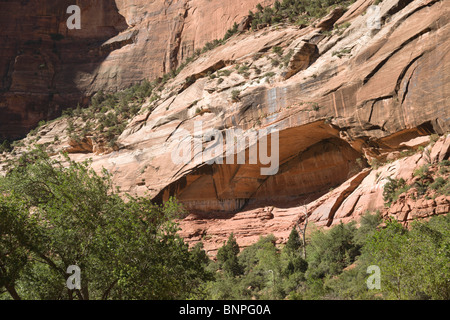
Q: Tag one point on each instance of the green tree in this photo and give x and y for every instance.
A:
(294, 242)
(368, 226)
(57, 213)
(227, 257)
(331, 251)
(293, 254)
(13, 257)
(414, 264)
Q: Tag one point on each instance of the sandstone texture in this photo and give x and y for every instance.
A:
(351, 95)
(45, 67)
(361, 194)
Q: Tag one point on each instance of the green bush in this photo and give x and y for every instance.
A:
(274, 62)
(444, 167)
(5, 146)
(438, 183)
(441, 186)
(231, 32)
(277, 50)
(235, 95)
(368, 226)
(392, 189)
(422, 172)
(244, 70)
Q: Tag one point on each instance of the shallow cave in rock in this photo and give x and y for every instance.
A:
(312, 160)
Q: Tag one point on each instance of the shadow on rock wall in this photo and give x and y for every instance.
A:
(45, 67)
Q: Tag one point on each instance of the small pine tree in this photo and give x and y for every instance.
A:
(227, 257)
(294, 242)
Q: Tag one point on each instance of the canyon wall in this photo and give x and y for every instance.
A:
(347, 95)
(45, 67)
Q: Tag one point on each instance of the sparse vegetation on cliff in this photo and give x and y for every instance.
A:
(108, 114)
(429, 181)
(5, 146)
(392, 189)
(298, 12)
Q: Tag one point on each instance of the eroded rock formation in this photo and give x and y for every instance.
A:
(45, 67)
(358, 195)
(363, 94)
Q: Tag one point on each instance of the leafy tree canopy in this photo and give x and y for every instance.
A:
(57, 213)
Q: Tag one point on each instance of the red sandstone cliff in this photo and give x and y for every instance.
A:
(347, 97)
(45, 67)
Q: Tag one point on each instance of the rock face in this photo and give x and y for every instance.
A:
(328, 21)
(303, 55)
(45, 67)
(367, 196)
(360, 94)
(363, 104)
(358, 195)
